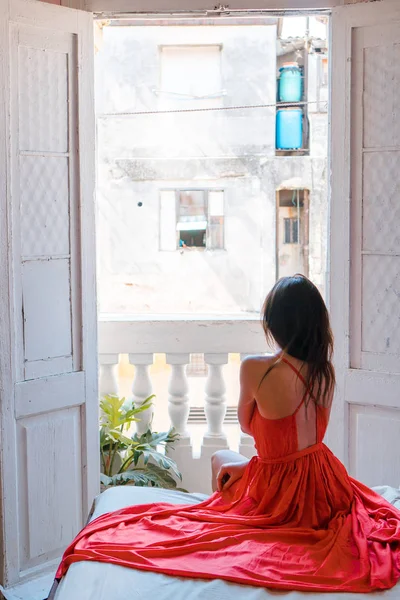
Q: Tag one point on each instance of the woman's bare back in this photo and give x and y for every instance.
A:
(280, 391)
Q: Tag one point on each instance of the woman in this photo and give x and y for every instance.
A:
(291, 517)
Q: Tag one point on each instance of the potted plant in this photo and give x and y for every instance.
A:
(134, 460)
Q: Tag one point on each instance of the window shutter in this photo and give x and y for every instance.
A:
(216, 220)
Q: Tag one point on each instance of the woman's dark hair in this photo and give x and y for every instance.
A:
(295, 316)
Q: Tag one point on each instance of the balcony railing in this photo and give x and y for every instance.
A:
(141, 339)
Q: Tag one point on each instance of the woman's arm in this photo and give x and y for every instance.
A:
(247, 401)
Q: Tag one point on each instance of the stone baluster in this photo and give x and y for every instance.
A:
(178, 399)
(178, 409)
(215, 405)
(142, 389)
(246, 444)
(108, 378)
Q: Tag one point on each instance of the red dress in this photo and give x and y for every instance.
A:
(295, 521)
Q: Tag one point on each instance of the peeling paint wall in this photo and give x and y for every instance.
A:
(232, 150)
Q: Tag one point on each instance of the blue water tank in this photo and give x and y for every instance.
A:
(290, 87)
(289, 129)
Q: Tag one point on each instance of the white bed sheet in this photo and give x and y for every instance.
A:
(101, 581)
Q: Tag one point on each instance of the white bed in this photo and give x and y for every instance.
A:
(99, 581)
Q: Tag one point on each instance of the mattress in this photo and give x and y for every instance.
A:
(100, 581)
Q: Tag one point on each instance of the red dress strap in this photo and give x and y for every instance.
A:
(300, 376)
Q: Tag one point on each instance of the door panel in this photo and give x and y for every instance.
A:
(46, 293)
(44, 190)
(372, 428)
(50, 417)
(44, 118)
(375, 256)
(365, 258)
(51, 482)
(44, 125)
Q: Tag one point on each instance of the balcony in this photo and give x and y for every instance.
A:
(140, 341)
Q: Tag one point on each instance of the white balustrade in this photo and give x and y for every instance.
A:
(246, 445)
(142, 389)
(177, 339)
(108, 379)
(178, 399)
(215, 406)
(178, 410)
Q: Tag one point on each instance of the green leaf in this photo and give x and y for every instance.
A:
(116, 416)
(156, 439)
(136, 456)
(105, 480)
(140, 478)
(163, 476)
(116, 436)
(146, 455)
(150, 466)
(166, 463)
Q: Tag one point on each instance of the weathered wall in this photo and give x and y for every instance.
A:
(129, 70)
(233, 150)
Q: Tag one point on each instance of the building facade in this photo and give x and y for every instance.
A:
(198, 212)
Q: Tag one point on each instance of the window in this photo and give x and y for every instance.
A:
(291, 230)
(190, 77)
(216, 219)
(191, 219)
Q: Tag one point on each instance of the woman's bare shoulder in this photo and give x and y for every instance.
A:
(254, 367)
(258, 360)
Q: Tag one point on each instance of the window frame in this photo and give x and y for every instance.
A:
(202, 7)
(303, 240)
(206, 191)
(293, 239)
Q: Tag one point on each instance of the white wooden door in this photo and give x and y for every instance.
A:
(365, 239)
(48, 358)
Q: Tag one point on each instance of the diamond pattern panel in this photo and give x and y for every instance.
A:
(381, 207)
(381, 304)
(43, 100)
(44, 191)
(381, 94)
